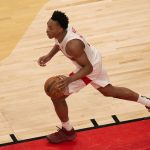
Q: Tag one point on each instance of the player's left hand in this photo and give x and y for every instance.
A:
(63, 83)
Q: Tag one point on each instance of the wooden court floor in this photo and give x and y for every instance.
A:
(119, 29)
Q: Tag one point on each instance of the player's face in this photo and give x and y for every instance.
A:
(53, 29)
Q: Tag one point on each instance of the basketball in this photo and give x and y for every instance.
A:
(51, 88)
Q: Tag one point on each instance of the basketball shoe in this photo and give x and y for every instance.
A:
(148, 108)
(62, 135)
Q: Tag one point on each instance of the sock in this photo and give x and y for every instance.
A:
(67, 125)
(144, 100)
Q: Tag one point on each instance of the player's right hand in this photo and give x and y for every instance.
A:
(42, 61)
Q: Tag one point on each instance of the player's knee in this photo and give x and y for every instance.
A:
(58, 100)
(108, 91)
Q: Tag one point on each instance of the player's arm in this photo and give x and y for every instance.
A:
(44, 59)
(54, 50)
(75, 48)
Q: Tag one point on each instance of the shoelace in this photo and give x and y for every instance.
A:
(59, 131)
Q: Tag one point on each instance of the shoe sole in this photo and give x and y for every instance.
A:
(69, 139)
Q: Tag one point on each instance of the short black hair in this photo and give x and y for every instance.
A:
(61, 18)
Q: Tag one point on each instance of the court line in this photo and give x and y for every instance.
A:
(115, 119)
(94, 123)
(13, 137)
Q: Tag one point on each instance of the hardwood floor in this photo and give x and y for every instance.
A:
(119, 29)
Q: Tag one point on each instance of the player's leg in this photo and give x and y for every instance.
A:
(123, 93)
(66, 133)
(118, 92)
(61, 109)
(100, 81)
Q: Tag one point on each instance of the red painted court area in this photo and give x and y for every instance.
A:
(130, 136)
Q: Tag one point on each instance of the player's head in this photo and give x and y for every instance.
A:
(57, 24)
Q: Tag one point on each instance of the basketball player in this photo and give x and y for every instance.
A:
(89, 70)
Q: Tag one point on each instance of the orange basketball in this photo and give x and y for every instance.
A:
(51, 88)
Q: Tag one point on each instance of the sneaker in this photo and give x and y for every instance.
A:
(62, 135)
(148, 108)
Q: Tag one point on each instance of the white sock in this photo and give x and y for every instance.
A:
(67, 125)
(144, 100)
